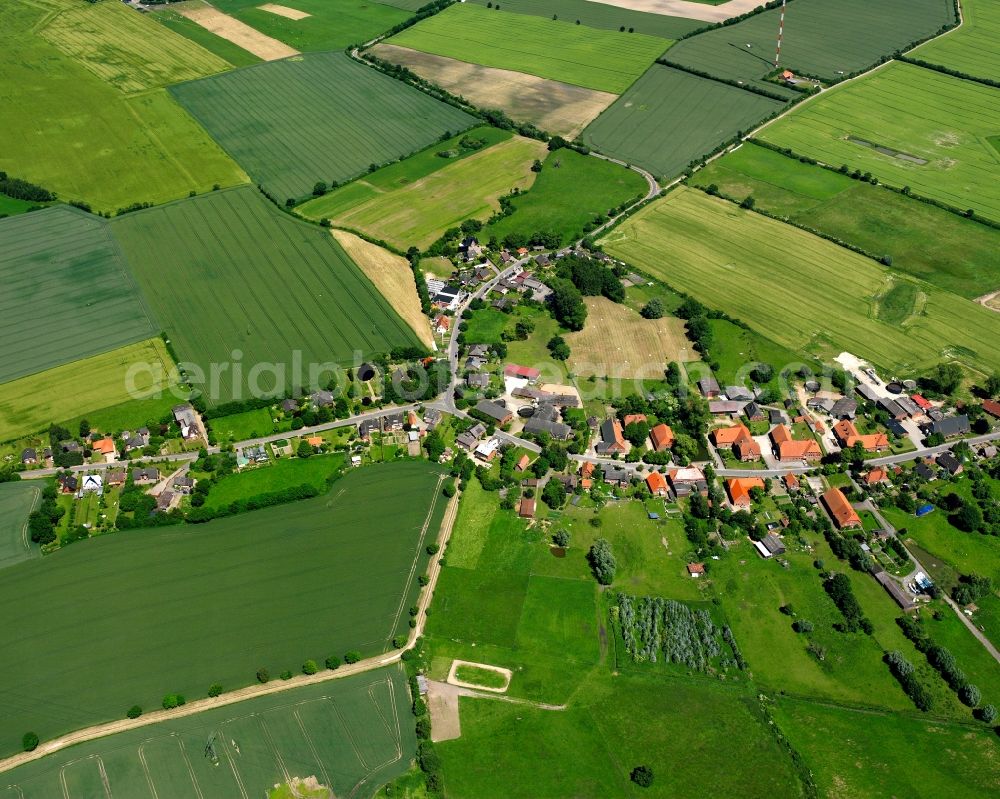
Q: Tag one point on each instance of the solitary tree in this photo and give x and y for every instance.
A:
(29, 742)
(642, 776)
(215, 689)
(310, 667)
(653, 309)
(602, 561)
(134, 712)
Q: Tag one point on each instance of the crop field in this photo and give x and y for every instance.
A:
(417, 214)
(324, 576)
(17, 500)
(618, 342)
(223, 48)
(319, 117)
(603, 16)
(393, 277)
(946, 250)
(124, 48)
(787, 282)
(570, 191)
(972, 48)
(140, 373)
(330, 24)
(822, 38)
(558, 108)
(68, 130)
(279, 475)
(595, 59)
(931, 129)
(254, 281)
(351, 734)
(669, 118)
(60, 264)
(860, 754)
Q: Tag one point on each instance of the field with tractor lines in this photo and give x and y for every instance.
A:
(124, 48)
(71, 132)
(669, 118)
(822, 38)
(312, 118)
(230, 272)
(605, 60)
(17, 500)
(802, 291)
(932, 133)
(973, 47)
(67, 292)
(602, 15)
(167, 610)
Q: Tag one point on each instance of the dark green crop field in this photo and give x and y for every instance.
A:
(229, 272)
(319, 117)
(344, 732)
(130, 617)
(669, 118)
(825, 38)
(17, 500)
(603, 16)
(66, 292)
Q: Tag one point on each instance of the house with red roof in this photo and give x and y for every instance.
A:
(662, 437)
(526, 372)
(657, 484)
(739, 489)
(843, 514)
(847, 436)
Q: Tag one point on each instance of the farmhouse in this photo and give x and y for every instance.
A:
(487, 450)
(366, 427)
(739, 393)
(950, 463)
(791, 482)
(477, 380)
(696, 569)
(522, 463)
(141, 438)
(709, 387)
(495, 411)
(526, 510)
(104, 447)
(739, 489)
(992, 407)
(29, 457)
(754, 412)
(847, 436)
(187, 420)
(612, 438)
(662, 437)
(895, 591)
(950, 427)
(657, 484)
(725, 408)
(559, 430)
(844, 408)
(793, 449)
(525, 372)
(925, 472)
(633, 418)
(840, 509)
(393, 422)
(738, 439)
(893, 408)
(470, 437)
(113, 479)
(145, 476)
(442, 324)
(615, 476)
(688, 480)
(68, 483)
(184, 484)
(876, 477)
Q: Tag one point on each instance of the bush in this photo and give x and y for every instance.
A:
(215, 689)
(29, 742)
(333, 662)
(352, 657)
(988, 714)
(642, 776)
(171, 701)
(134, 712)
(286, 674)
(263, 675)
(602, 561)
(433, 549)
(310, 667)
(969, 694)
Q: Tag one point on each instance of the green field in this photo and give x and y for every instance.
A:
(822, 38)
(332, 24)
(806, 293)
(972, 48)
(858, 754)
(913, 113)
(603, 16)
(319, 117)
(669, 118)
(244, 425)
(596, 59)
(421, 210)
(223, 48)
(68, 130)
(245, 277)
(279, 475)
(568, 193)
(942, 248)
(970, 553)
(67, 292)
(135, 379)
(124, 48)
(400, 174)
(17, 500)
(352, 734)
(167, 609)
(11, 206)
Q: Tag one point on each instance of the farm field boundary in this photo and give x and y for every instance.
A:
(17, 500)
(809, 294)
(239, 33)
(160, 631)
(277, 286)
(907, 126)
(321, 117)
(607, 16)
(560, 108)
(605, 60)
(971, 49)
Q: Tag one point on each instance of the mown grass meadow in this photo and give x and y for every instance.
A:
(174, 610)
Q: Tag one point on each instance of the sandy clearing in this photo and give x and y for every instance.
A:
(558, 108)
(284, 11)
(239, 33)
(393, 277)
(683, 8)
(617, 342)
(454, 680)
(991, 300)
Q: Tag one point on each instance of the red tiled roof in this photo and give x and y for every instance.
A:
(657, 482)
(992, 407)
(513, 370)
(662, 437)
(840, 508)
(739, 489)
